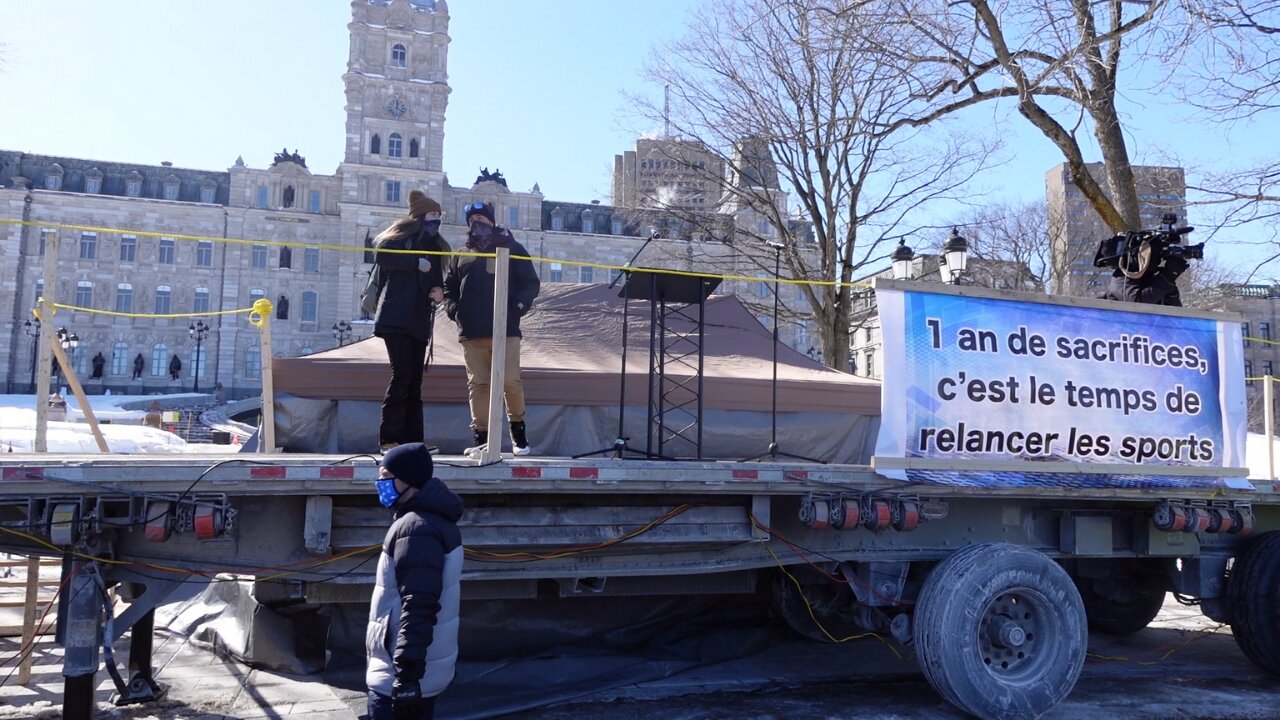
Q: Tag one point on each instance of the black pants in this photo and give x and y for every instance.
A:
(402, 408)
(380, 707)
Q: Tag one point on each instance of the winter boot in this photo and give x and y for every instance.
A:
(519, 442)
(481, 438)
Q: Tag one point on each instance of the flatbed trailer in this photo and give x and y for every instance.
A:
(306, 526)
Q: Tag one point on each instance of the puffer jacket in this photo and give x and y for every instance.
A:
(413, 617)
(404, 303)
(468, 288)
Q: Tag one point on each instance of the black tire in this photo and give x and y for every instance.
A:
(1000, 632)
(1118, 606)
(1253, 594)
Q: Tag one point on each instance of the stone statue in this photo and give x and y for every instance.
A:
(138, 364)
(98, 363)
(285, 156)
(495, 176)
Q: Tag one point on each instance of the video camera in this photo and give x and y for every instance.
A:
(1136, 254)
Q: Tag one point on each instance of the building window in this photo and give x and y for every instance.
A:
(80, 360)
(413, 148)
(252, 361)
(395, 145)
(614, 275)
(762, 289)
(399, 56)
(119, 357)
(256, 294)
(871, 364)
(556, 274)
(314, 204)
(133, 185)
(1268, 368)
(557, 222)
(128, 248)
(201, 302)
(306, 351)
(159, 359)
(375, 145)
(84, 294)
(586, 274)
(588, 222)
(513, 217)
(39, 292)
(1264, 330)
(208, 193)
(164, 300)
(1245, 333)
(286, 200)
(258, 256)
(93, 184)
(1248, 369)
(204, 253)
(165, 256)
(763, 228)
(262, 196)
(53, 181)
(393, 191)
(197, 361)
(309, 306)
(171, 190)
(311, 260)
(88, 246)
(124, 298)
(617, 226)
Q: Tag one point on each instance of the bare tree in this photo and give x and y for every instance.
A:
(790, 97)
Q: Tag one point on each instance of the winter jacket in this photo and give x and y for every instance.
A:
(1156, 288)
(404, 303)
(413, 616)
(468, 288)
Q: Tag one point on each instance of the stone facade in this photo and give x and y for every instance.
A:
(292, 236)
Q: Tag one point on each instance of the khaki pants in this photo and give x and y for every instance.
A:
(478, 356)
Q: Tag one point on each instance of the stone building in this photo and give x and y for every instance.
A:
(166, 240)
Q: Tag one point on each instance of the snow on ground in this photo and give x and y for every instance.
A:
(124, 434)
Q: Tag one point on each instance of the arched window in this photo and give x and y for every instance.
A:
(306, 351)
(119, 357)
(375, 145)
(399, 56)
(310, 305)
(159, 359)
(588, 222)
(413, 147)
(253, 361)
(395, 146)
(133, 184)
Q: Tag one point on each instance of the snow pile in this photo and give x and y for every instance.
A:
(124, 432)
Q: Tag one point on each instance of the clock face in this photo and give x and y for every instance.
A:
(396, 107)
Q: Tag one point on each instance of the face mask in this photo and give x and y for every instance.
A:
(387, 493)
(481, 232)
(432, 227)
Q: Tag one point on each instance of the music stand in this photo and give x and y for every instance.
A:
(620, 445)
(673, 297)
(773, 453)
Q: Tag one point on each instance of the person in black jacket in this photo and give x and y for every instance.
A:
(412, 637)
(468, 293)
(1157, 286)
(411, 285)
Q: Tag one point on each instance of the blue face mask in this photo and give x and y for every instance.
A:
(387, 493)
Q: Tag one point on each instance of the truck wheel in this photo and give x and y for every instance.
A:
(1253, 594)
(1000, 631)
(1116, 608)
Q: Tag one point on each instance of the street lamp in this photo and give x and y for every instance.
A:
(32, 329)
(69, 342)
(902, 257)
(955, 255)
(198, 330)
(341, 331)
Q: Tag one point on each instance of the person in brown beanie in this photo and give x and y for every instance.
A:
(409, 288)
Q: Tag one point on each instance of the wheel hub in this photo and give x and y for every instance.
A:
(1009, 630)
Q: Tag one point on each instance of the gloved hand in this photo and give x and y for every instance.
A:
(406, 701)
(1175, 266)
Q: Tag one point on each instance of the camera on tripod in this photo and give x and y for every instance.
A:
(1137, 253)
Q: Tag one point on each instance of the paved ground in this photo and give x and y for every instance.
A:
(1183, 667)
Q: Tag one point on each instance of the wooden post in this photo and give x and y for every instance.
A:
(498, 362)
(70, 374)
(43, 356)
(29, 617)
(1269, 422)
(267, 434)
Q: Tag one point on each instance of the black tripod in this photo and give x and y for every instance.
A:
(773, 453)
(620, 446)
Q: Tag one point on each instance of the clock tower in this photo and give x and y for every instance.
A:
(397, 90)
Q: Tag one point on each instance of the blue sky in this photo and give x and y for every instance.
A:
(537, 91)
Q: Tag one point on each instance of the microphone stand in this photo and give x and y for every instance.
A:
(620, 445)
(773, 453)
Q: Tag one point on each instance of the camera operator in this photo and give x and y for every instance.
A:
(1147, 264)
(1158, 286)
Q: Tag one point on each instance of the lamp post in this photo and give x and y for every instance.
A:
(955, 255)
(69, 342)
(198, 331)
(902, 257)
(32, 329)
(341, 331)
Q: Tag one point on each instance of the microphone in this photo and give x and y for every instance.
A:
(626, 269)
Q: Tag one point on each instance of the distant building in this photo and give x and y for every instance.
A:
(667, 174)
(1260, 304)
(1076, 229)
